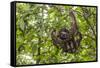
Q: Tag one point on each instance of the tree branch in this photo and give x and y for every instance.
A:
(88, 22)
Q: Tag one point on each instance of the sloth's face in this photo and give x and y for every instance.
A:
(64, 35)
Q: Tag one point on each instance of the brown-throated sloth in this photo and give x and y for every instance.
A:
(67, 40)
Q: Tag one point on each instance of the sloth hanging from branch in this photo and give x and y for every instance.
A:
(67, 40)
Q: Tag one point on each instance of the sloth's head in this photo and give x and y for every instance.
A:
(64, 34)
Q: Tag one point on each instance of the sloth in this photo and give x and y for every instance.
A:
(67, 40)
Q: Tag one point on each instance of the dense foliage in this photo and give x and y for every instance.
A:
(34, 23)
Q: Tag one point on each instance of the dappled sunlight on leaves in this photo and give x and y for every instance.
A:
(34, 23)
